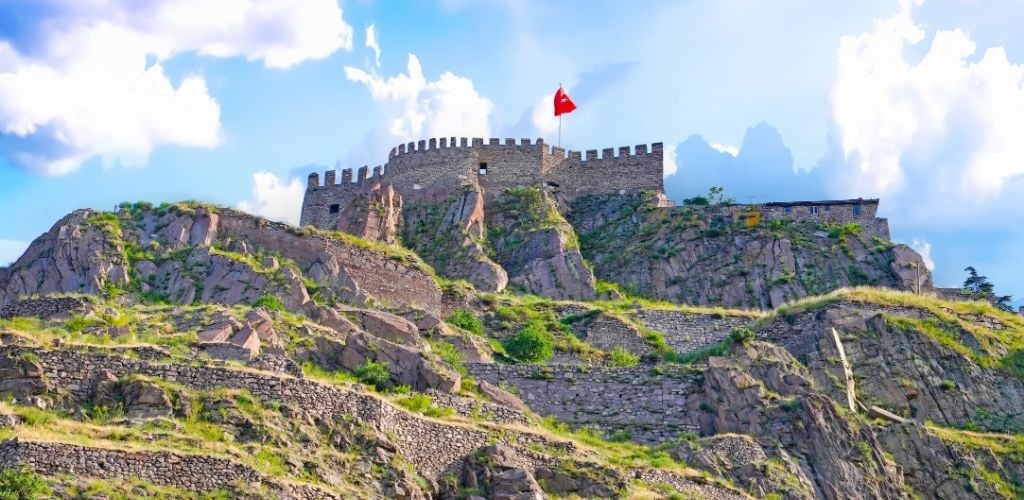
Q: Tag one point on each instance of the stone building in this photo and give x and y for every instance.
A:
(494, 165)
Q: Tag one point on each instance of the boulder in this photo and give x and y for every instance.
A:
(21, 376)
(145, 399)
(501, 396)
(390, 327)
(496, 472)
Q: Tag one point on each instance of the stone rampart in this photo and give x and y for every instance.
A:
(493, 164)
(650, 406)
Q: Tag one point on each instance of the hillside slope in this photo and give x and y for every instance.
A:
(187, 350)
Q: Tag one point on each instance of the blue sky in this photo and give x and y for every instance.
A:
(919, 103)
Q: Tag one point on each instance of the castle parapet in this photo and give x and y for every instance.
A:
(313, 181)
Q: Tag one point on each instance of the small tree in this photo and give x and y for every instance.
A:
(980, 287)
(533, 344)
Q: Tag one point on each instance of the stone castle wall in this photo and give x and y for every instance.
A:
(651, 407)
(495, 165)
(860, 211)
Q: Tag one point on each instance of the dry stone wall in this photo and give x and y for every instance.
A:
(44, 307)
(687, 332)
(651, 407)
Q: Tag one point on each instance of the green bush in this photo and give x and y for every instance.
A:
(467, 320)
(621, 357)
(270, 302)
(743, 335)
(374, 373)
(533, 344)
(21, 484)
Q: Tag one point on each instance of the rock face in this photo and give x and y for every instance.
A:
(21, 377)
(445, 225)
(903, 361)
(374, 214)
(188, 254)
(537, 247)
(696, 255)
(494, 472)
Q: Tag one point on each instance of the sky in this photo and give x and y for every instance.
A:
(919, 103)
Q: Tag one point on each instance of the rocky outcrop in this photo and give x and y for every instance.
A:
(493, 473)
(82, 252)
(374, 214)
(188, 254)
(906, 361)
(445, 225)
(21, 376)
(537, 247)
(697, 255)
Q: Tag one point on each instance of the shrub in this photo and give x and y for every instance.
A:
(621, 357)
(424, 404)
(270, 302)
(467, 320)
(743, 335)
(21, 483)
(374, 373)
(533, 344)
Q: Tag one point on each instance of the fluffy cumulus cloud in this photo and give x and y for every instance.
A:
(924, 248)
(10, 250)
(90, 80)
(411, 107)
(945, 127)
(274, 199)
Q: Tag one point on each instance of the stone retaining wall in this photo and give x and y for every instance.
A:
(433, 447)
(43, 307)
(649, 406)
(200, 473)
(687, 332)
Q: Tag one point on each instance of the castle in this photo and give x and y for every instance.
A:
(417, 167)
(495, 166)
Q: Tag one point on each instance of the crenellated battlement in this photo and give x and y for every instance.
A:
(494, 164)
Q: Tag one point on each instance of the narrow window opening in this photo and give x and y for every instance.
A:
(856, 210)
(814, 210)
(789, 210)
(335, 208)
(483, 169)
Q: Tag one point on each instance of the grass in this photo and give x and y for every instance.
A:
(467, 320)
(424, 405)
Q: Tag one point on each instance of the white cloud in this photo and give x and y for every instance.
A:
(924, 248)
(372, 44)
(724, 148)
(670, 160)
(11, 250)
(96, 86)
(543, 116)
(412, 108)
(273, 199)
(948, 126)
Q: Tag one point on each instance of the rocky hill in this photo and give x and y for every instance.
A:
(194, 351)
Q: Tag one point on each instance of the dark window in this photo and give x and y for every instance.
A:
(335, 208)
(789, 210)
(483, 169)
(814, 210)
(856, 210)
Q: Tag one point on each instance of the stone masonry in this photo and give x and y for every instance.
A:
(686, 332)
(494, 166)
(652, 406)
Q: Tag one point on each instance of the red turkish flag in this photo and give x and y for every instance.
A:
(562, 103)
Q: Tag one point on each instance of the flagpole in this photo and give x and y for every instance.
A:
(559, 121)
